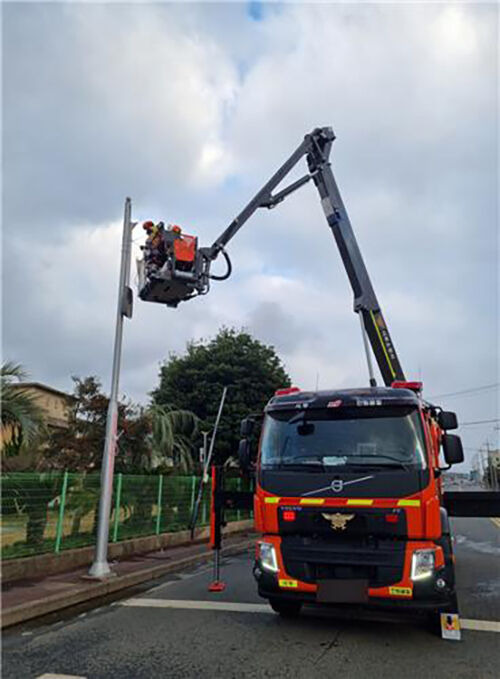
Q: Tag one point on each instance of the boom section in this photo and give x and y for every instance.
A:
(316, 148)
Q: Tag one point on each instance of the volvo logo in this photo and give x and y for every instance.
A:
(337, 485)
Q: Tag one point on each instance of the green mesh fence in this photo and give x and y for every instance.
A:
(51, 512)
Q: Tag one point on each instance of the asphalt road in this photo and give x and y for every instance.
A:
(155, 633)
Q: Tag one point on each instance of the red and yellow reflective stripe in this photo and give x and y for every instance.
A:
(341, 501)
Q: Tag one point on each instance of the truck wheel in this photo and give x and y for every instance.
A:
(287, 609)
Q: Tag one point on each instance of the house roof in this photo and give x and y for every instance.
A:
(43, 387)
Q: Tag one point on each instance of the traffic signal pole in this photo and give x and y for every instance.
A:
(100, 568)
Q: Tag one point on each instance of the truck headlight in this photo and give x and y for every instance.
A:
(422, 564)
(267, 557)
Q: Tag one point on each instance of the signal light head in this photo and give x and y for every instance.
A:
(413, 386)
(286, 391)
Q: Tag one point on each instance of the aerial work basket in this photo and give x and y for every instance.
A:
(171, 269)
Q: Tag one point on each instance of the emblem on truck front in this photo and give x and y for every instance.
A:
(338, 521)
(337, 485)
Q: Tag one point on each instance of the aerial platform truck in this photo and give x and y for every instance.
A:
(348, 496)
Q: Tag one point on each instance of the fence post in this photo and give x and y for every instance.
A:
(118, 499)
(203, 509)
(193, 490)
(159, 501)
(60, 518)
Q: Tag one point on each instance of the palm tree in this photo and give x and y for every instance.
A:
(21, 417)
(173, 433)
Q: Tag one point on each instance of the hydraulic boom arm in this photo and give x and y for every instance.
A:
(184, 272)
(316, 147)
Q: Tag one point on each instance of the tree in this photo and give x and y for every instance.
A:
(21, 417)
(251, 370)
(173, 435)
(79, 446)
(148, 438)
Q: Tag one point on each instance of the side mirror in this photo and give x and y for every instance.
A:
(447, 420)
(452, 449)
(244, 455)
(247, 427)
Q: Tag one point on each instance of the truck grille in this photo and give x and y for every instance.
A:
(381, 562)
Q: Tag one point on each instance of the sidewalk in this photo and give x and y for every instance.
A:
(27, 599)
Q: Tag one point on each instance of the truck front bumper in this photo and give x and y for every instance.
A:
(434, 592)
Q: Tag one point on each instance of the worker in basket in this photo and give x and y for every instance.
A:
(154, 248)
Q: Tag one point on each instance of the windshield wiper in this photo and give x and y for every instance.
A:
(313, 466)
(394, 462)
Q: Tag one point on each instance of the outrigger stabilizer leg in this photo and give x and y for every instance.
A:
(216, 523)
(221, 500)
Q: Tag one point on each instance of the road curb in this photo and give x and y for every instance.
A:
(96, 589)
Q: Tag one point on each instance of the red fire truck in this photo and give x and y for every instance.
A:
(348, 499)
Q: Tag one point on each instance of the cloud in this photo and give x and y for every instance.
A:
(123, 101)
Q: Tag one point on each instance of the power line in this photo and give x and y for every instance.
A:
(466, 424)
(467, 391)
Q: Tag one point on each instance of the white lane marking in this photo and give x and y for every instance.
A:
(50, 675)
(496, 521)
(480, 625)
(198, 605)
(234, 607)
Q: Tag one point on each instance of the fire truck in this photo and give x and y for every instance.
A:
(348, 497)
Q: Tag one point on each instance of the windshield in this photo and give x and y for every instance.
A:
(380, 437)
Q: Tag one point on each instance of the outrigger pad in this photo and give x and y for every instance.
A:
(217, 586)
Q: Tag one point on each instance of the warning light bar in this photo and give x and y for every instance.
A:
(413, 386)
(287, 391)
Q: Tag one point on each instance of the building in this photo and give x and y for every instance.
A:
(54, 404)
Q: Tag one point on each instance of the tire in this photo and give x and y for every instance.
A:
(287, 609)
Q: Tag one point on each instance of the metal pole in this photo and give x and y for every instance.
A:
(214, 433)
(204, 471)
(217, 565)
(60, 519)
(205, 447)
(100, 567)
(193, 491)
(373, 382)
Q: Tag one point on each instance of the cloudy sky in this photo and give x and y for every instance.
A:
(189, 108)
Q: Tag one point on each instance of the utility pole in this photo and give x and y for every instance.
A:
(206, 462)
(492, 467)
(100, 568)
(204, 449)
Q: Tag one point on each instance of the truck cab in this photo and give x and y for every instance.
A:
(348, 500)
